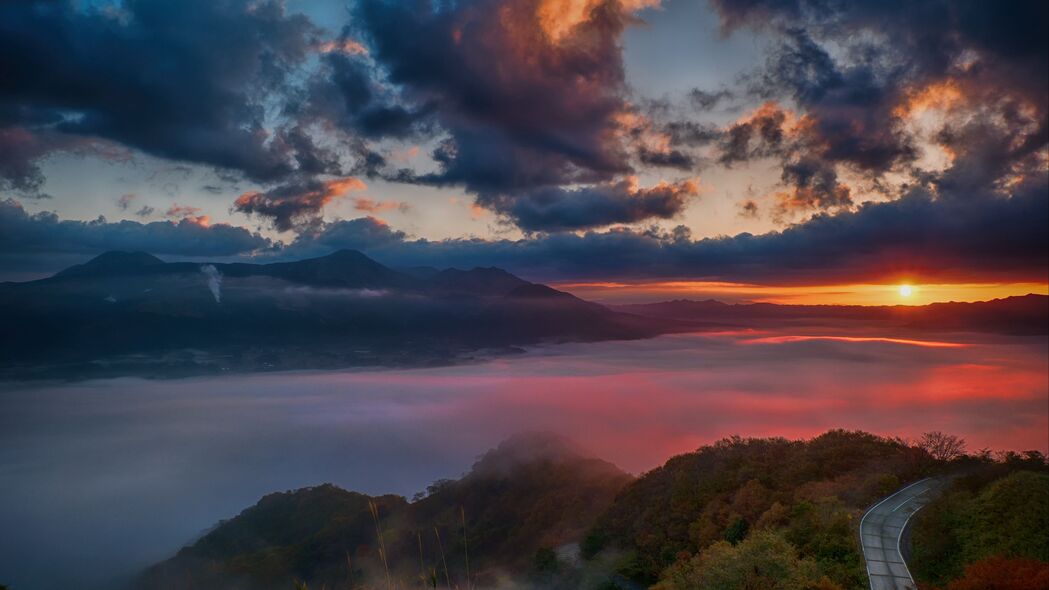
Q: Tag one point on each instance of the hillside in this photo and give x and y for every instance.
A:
(801, 494)
(532, 493)
(992, 521)
(739, 514)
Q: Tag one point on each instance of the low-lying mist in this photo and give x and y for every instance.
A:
(102, 478)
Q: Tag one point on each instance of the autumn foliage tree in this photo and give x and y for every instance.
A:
(764, 560)
(1002, 573)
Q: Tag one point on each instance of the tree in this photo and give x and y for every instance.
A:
(941, 446)
(737, 531)
(1003, 573)
(763, 560)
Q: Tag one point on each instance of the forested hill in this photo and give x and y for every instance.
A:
(795, 501)
(536, 512)
(990, 528)
(531, 495)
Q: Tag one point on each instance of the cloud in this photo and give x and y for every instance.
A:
(814, 185)
(749, 209)
(177, 211)
(348, 96)
(124, 201)
(296, 204)
(706, 100)
(373, 206)
(527, 92)
(865, 76)
(22, 148)
(343, 45)
(364, 233)
(918, 237)
(24, 235)
(558, 209)
(185, 82)
(766, 132)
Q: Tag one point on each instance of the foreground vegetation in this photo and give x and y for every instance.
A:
(990, 526)
(743, 513)
(738, 514)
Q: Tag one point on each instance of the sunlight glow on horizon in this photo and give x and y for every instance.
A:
(847, 294)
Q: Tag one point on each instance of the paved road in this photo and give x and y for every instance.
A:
(882, 528)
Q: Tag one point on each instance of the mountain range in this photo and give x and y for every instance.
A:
(131, 313)
(1027, 314)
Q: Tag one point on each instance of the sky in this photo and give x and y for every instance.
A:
(156, 463)
(831, 151)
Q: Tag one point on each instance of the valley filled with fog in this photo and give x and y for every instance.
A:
(105, 477)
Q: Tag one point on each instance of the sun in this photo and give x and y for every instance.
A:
(906, 290)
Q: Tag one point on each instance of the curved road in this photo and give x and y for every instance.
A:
(881, 531)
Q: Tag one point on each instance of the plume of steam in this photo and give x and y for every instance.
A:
(214, 280)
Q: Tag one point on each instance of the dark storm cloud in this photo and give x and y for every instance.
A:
(761, 135)
(556, 209)
(295, 204)
(186, 81)
(815, 186)
(992, 57)
(851, 106)
(521, 102)
(28, 235)
(365, 233)
(989, 238)
(21, 149)
(347, 93)
(521, 108)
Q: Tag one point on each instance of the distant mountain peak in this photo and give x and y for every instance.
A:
(124, 257)
(346, 254)
(112, 262)
(538, 291)
(479, 280)
(342, 268)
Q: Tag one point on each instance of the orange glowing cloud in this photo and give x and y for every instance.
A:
(557, 18)
(347, 46)
(339, 187)
(188, 214)
(786, 119)
(373, 206)
(943, 95)
(290, 204)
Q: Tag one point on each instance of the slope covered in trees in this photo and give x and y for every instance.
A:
(991, 522)
(738, 514)
(531, 493)
(807, 494)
